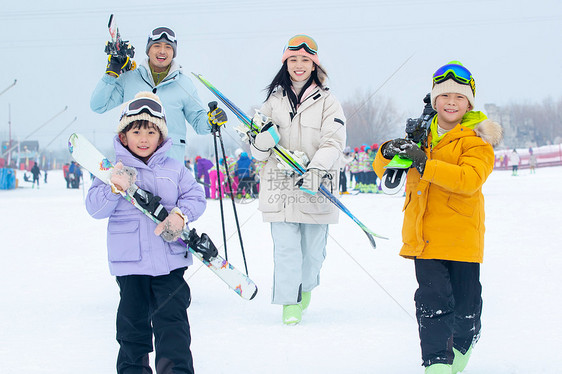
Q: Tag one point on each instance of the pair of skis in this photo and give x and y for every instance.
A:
(201, 247)
(286, 157)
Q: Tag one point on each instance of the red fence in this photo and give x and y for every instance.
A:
(547, 155)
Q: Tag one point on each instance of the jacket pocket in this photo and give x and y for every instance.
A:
(275, 188)
(310, 118)
(407, 201)
(271, 201)
(176, 248)
(314, 204)
(123, 241)
(461, 206)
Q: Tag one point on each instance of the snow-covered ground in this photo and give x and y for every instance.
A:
(58, 301)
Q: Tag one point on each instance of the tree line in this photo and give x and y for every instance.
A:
(376, 119)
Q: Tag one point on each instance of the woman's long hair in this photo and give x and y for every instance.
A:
(283, 79)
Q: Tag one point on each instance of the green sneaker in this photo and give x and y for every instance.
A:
(292, 314)
(305, 300)
(438, 369)
(460, 361)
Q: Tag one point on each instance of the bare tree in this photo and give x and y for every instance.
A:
(371, 119)
(532, 124)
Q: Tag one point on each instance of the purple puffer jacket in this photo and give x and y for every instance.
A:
(132, 246)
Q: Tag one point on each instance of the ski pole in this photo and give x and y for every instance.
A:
(213, 106)
(215, 129)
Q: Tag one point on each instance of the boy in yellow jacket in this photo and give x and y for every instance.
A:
(443, 228)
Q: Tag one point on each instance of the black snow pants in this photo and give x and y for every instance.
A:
(448, 308)
(154, 305)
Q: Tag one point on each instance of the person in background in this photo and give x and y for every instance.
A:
(245, 174)
(216, 178)
(66, 173)
(36, 172)
(74, 174)
(532, 161)
(354, 169)
(203, 167)
(146, 258)
(346, 160)
(443, 229)
(188, 165)
(514, 160)
(307, 118)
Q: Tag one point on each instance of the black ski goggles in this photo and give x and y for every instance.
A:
(144, 105)
(160, 32)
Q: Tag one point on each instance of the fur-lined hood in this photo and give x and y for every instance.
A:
(488, 130)
(491, 132)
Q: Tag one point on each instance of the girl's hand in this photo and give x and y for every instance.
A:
(172, 227)
(122, 177)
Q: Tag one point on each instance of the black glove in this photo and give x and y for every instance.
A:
(392, 148)
(118, 64)
(217, 117)
(414, 153)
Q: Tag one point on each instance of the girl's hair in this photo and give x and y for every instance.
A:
(141, 123)
(283, 79)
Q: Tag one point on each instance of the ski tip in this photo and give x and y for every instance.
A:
(372, 240)
(254, 294)
(71, 140)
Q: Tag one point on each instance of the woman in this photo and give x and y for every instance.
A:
(309, 120)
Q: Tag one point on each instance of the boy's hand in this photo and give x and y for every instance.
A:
(414, 153)
(392, 148)
(122, 177)
(172, 227)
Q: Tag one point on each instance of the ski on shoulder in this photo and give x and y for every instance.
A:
(200, 246)
(287, 157)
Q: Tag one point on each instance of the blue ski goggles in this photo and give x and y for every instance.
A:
(456, 72)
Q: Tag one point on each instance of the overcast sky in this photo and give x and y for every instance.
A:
(55, 50)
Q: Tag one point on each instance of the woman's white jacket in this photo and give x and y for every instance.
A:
(317, 128)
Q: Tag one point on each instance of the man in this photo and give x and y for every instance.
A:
(161, 74)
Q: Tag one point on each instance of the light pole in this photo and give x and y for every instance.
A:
(9, 120)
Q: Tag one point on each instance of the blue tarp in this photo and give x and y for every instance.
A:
(7, 179)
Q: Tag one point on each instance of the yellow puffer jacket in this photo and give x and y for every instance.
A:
(444, 209)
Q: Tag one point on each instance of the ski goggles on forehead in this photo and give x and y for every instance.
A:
(144, 105)
(458, 73)
(303, 41)
(160, 32)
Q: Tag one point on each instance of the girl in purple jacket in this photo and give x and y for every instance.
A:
(146, 258)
